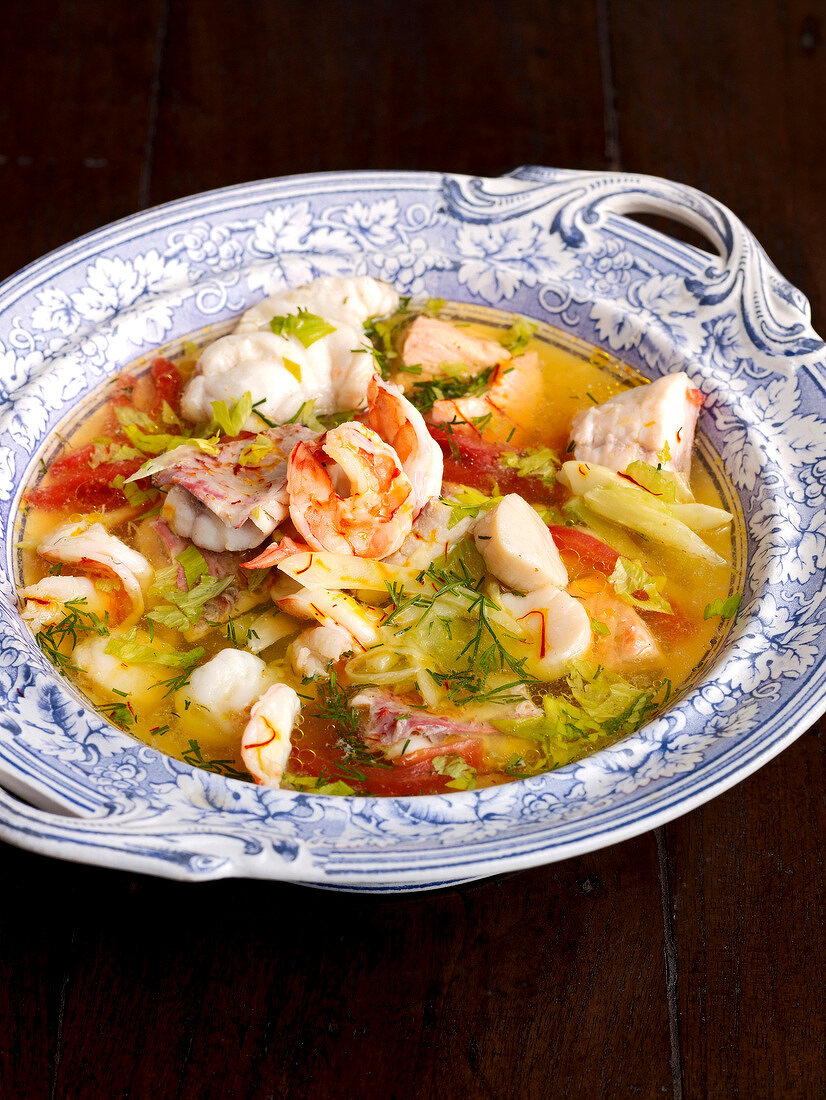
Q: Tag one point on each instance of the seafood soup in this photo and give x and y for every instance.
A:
(362, 544)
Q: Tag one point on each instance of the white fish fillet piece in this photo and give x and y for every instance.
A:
(637, 424)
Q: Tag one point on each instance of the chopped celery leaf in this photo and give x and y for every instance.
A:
(127, 648)
(602, 705)
(517, 336)
(465, 501)
(537, 462)
(231, 421)
(637, 587)
(183, 609)
(662, 483)
(256, 450)
(726, 609)
(193, 563)
(462, 775)
(306, 327)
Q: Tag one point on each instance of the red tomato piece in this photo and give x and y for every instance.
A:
(168, 382)
(74, 482)
(475, 462)
(590, 550)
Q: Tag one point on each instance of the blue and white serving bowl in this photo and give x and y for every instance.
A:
(555, 245)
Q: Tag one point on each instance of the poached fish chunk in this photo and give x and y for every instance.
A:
(391, 726)
(429, 342)
(279, 369)
(517, 546)
(638, 424)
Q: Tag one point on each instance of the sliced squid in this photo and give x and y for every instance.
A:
(430, 537)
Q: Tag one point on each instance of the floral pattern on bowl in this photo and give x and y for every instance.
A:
(550, 244)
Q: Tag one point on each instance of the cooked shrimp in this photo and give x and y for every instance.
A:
(265, 743)
(377, 516)
(400, 424)
(314, 649)
(90, 545)
(629, 643)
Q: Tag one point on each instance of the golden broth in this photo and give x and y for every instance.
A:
(575, 375)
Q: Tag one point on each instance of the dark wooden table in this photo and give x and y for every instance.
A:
(688, 961)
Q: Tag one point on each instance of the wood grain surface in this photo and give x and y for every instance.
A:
(686, 962)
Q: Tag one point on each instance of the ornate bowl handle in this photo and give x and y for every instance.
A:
(137, 840)
(578, 206)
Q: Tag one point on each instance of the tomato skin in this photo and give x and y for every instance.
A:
(168, 382)
(590, 550)
(475, 462)
(74, 483)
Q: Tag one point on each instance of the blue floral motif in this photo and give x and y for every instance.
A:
(553, 245)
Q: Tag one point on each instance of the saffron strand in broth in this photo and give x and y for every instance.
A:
(361, 544)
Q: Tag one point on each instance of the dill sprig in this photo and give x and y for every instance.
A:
(76, 621)
(425, 394)
(194, 756)
(333, 704)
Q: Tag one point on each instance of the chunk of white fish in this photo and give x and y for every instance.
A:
(223, 688)
(391, 726)
(430, 537)
(278, 370)
(647, 423)
(518, 547)
(430, 342)
(556, 624)
(348, 300)
(246, 493)
(192, 520)
(266, 740)
(123, 682)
